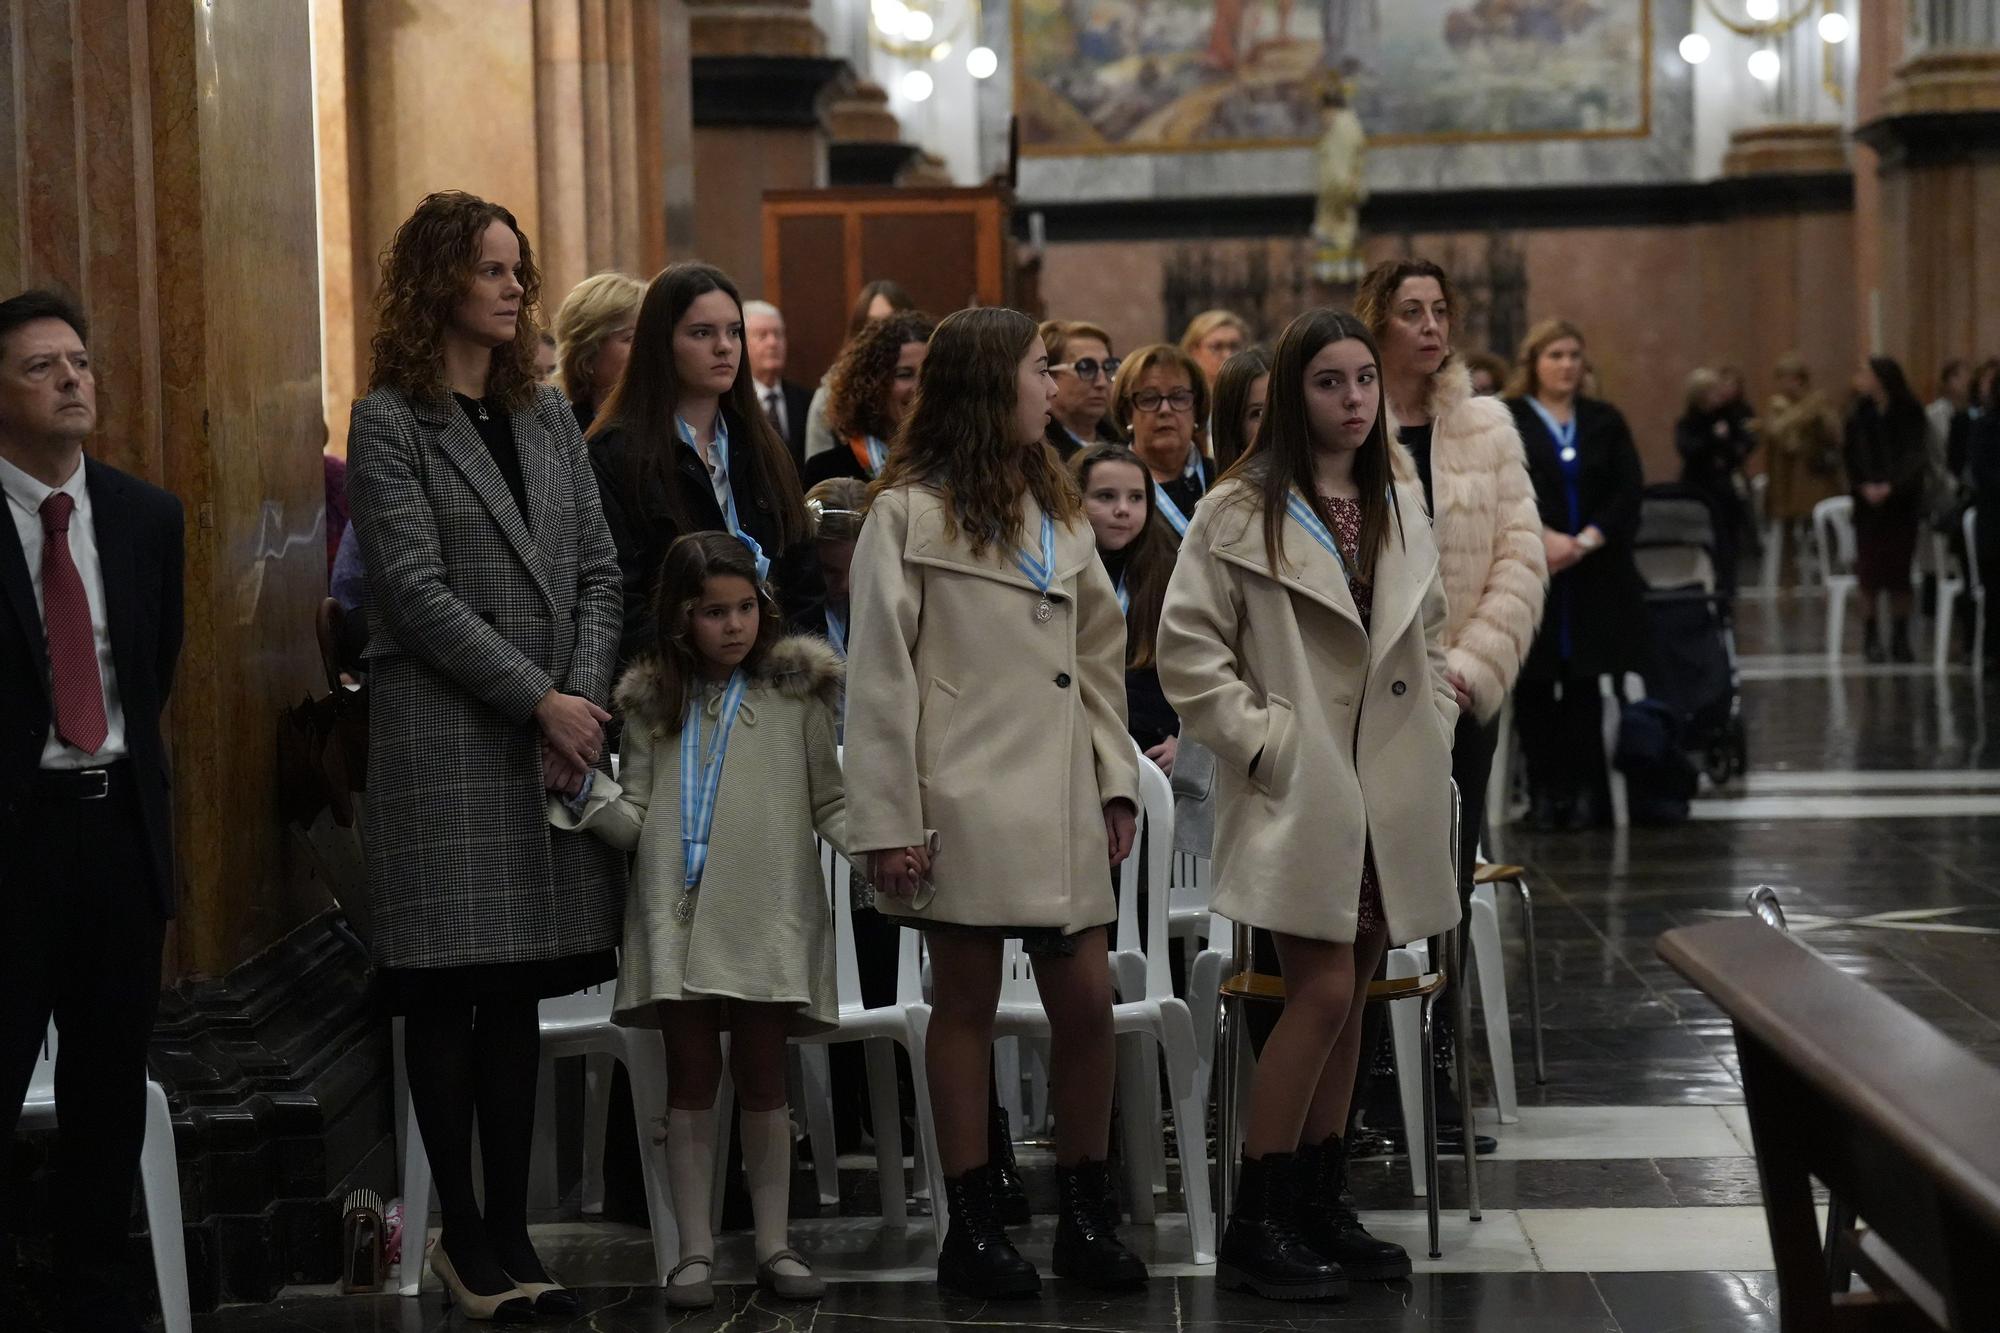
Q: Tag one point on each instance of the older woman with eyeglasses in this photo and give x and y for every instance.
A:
(1080, 359)
(1159, 400)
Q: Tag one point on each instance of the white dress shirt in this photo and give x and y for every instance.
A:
(24, 502)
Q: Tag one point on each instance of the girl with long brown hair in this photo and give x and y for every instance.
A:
(987, 653)
(495, 600)
(1301, 641)
(682, 446)
(1138, 549)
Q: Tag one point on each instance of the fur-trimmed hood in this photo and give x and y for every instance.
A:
(799, 666)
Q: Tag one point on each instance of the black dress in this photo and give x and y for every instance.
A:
(1883, 449)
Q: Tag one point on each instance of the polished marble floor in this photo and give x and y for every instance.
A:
(1625, 1198)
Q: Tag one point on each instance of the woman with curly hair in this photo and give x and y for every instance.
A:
(979, 601)
(494, 602)
(868, 393)
(683, 445)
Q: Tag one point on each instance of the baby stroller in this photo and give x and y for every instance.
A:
(1693, 660)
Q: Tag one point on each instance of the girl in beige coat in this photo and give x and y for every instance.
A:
(996, 785)
(1302, 641)
(729, 770)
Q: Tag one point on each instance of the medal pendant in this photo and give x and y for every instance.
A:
(684, 909)
(1043, 612)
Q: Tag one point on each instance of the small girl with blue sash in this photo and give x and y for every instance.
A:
(729, 770)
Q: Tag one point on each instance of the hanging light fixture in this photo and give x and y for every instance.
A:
(1765, 22)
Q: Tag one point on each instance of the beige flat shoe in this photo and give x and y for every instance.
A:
(791, 1286)
(691, 1295)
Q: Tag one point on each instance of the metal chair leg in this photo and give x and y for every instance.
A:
(1534, 977)
(1840, 1220)
(1229, 1067)
(1430, 1127)
(1461, 942)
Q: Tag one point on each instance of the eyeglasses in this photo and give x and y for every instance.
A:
(1088, 367)
(1149, 400)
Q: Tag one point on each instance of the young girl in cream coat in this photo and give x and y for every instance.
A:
(729, 769)
(987, 708)
(1302, 642)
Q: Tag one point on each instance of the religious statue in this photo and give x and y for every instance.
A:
(1342, 161)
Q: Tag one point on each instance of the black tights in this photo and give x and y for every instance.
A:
(465, 1064)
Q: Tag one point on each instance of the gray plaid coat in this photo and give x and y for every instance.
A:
(473, 616)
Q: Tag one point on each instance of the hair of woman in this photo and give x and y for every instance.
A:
(1232, 395)
(1057, 333)
(1525, 382)
(838, 506)
(1280, 459)
(958, 438)
(1207, 322)
(1149, 560)
(1375, 298)
(595, 308)
(647, 399)
(1132, 372)
(1701, 382)
(857, 388)
(888, 290)
(690, 563)
(427, 269)
(1904, 412)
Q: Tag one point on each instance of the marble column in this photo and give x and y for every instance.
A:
(1936, 137)
(866, 145)
(762, 82)
(163, 172)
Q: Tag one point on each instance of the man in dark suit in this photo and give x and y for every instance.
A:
(90, 630)
(784, 402)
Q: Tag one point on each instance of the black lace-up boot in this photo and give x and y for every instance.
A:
(1087, 1246)
(1261, 1250)
(977, 1258)
(1329, 1223)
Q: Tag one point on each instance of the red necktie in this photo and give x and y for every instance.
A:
(79, 689)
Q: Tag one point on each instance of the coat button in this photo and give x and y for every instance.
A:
(1399, 688)
(1063, 680)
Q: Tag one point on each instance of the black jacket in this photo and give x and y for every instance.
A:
(139, 540)
(636, 512)
(1710, 458)
(838, 461)
(798, 401)
(1882, 449)
(1603, 597)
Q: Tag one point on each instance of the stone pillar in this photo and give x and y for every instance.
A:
(572, 113)
(867, 145)
(761, 84)
(167, 181)
(1936, 135)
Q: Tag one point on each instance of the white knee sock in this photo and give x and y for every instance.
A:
(691, 1176)
(767, 1167)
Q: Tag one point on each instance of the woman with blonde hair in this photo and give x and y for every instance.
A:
(594, 340)
(1212, 337)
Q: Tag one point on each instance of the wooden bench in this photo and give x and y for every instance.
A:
(1898, 1121)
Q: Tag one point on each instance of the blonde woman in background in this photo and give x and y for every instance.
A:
(594, 340)
(1212, 337)
(1802, 452)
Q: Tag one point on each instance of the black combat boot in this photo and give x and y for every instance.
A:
(1087, 1246)
(1010, 1196)
(1329, 1223)
(977, 1259)
(1261, 1250)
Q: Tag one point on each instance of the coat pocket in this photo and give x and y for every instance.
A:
(934, 720)
(1272, 775)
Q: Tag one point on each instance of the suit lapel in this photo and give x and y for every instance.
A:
(17, 582)
(115, 560)
(459, 442)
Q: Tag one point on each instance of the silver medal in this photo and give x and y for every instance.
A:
(684, 909)
(1044, 612)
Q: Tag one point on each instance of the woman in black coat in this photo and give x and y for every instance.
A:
(1982, 464)
(1713, 437)
(1588, 484)
(1887, 438)
(690, 450)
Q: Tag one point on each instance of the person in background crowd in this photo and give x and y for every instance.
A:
(335, 469)
(494, 601)
(1137, 549)
(1983, 469)
(1211, 338)
(1240, 388)
(1985, 388)
(545, 360)
(1714, 436)
(1488, 374)
(1802, 454)
(1465, 453)
(683, 446)
(837, 507)
(1080, 358)
(868, 393)
(786, 403)
(89, 642)
(1157, 402)
(1948, 419)
(594, 332)
(1954, 399)
(1886, 431)
(1332, 730)
(978, 828)
(1588, 485)
(876, 300)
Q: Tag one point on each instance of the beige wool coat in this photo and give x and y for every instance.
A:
(1326, 735)
(1489, 536)
(968, 718)
(762, 927)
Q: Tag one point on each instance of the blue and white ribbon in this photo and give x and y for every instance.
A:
(1302, 514)
(729, 517)
(1170, 511)
(1124, 598)
(878, 454)
(1041, 573)
(701, 779)
(836, 630)
(1563, 432)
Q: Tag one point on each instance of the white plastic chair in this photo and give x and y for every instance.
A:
(1159, 1016)
(159, 1183)
(1774, 532)
(1975, 589)
(1833, 532)
(1949, 586)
